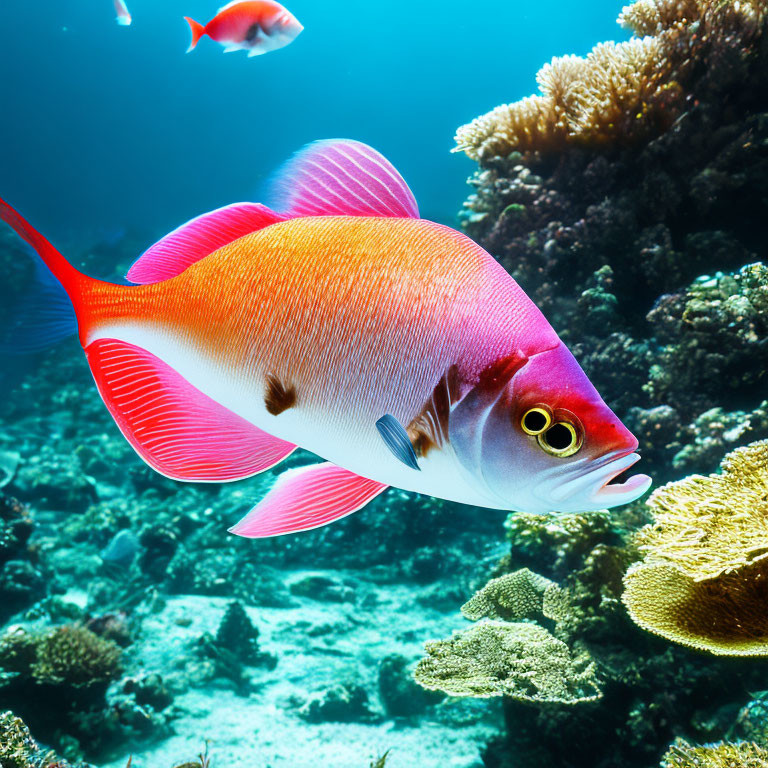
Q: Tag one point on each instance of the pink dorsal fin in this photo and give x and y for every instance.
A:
(306, 498)
(198, 238)
(340, 177)
(175, 428)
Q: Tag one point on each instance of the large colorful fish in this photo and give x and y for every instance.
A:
(396, 349)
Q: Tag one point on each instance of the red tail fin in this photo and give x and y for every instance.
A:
(62, 270)
(197, 29)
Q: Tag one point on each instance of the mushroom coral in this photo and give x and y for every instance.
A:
(520, 660)
(703, 581)
(621, 92)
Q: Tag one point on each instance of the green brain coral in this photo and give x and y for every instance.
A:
(519, 660)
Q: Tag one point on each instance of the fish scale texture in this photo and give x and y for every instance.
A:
(353, 312)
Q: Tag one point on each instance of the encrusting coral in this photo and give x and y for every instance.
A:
(703, 581)
(519, 660)
(722, 755)
(514, 596)
(620, 92)
(713, 332)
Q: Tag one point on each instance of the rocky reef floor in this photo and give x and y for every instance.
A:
(319, 646)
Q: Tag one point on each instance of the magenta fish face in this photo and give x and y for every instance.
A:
(550, 443)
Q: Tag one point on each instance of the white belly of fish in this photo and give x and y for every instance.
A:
(354, 446)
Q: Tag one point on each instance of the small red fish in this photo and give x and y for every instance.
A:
(123, 16)
(256, 26)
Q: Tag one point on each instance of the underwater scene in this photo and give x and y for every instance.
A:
(384, 386)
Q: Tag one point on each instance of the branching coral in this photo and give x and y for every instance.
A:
(620, 92)
(654, 17)
(519, 660)
(723, 755)
(704, 579)
(75, 656)
(17, 747)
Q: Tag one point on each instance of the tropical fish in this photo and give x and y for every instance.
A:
(123, 16)
(256, 26)
(396, 349)
(122, 549)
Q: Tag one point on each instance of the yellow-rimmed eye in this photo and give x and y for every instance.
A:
(535, 421)
(561, 439)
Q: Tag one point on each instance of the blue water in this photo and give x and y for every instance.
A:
(107, 128)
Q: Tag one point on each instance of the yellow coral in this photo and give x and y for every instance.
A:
(704, 578)
(654, 17)
(722, 755)
(619, 92)
(514, 596)
(710, 525)
(518, 660)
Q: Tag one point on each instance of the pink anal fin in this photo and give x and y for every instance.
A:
(173, 426)
(340, 177)
(306, 498)
(198, 238)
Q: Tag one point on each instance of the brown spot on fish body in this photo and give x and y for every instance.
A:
(430, 428)
(278, 397)
(252, 33)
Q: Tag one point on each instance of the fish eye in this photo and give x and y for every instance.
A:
(535, 421)
(561, 439)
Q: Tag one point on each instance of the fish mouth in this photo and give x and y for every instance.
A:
(611, 492)
(599, 486)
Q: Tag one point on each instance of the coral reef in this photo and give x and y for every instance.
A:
(346, 702)
(21, 581)
(722, 755)
(74, 656)
(514, 596)
(632, 223)
(620, 93)
(519, 660)
(19, 750)
(703, 578)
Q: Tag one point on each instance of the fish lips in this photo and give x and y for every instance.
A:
(595, 485)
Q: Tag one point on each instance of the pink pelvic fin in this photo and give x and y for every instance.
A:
(199, 238)
(340, 177)
(306, 498)
(175, 428)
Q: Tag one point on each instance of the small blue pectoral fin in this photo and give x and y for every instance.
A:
(394, 435)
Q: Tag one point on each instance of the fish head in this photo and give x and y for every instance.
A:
(284, 25)
(544, 441)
